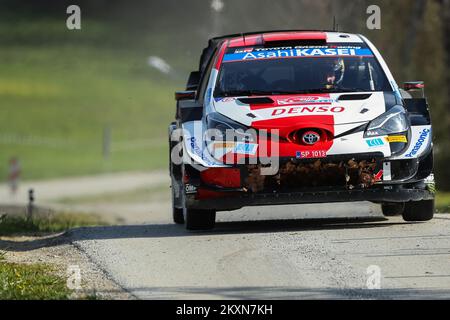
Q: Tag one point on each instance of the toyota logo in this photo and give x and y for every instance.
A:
(311, 137)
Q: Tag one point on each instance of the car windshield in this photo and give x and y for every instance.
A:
(291, 70)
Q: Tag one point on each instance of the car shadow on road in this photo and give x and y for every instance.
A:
(288, 293)
(172, 230)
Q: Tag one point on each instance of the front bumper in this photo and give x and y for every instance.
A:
(237, 200)
(326, 181)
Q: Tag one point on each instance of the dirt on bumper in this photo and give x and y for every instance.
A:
(350, 174)
(316, 181)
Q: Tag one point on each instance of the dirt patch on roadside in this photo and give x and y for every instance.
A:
(58, 251)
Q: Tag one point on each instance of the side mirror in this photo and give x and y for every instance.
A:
(415, 86)
(185, 95)
(193, 81)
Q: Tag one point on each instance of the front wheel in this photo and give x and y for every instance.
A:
(419, 211)
(177, 215)
(199, 220)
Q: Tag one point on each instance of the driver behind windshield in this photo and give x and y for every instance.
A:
(335, 73)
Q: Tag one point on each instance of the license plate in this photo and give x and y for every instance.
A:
(314, 154)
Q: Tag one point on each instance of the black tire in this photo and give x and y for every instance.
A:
(177, 213)
(419, 211)
(393, 209)
(200, 220)
(178, 216)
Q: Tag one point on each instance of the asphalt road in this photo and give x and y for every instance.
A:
(303, 252)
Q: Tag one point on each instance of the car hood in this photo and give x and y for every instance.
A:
(290, 112)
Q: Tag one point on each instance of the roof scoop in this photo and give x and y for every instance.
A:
(354, 97)
(256, 100)
(294, 36)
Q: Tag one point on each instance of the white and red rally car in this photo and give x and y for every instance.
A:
(290, 117)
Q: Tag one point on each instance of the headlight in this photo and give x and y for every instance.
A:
(391, 122)
(221, 128)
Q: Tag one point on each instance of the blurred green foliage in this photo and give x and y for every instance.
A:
(66, 86)
(443, 202)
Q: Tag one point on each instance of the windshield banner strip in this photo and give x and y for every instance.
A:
(297, 53)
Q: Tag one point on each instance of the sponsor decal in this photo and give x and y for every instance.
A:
(393, 139)
(297, 53)
(224, 145)
(227, 99)
(196, 149)
(379, 175)
(245, 148)
(372, 133)
(431, 185)
(238, 148)
(422, 139)
(315, 154)
(246, 50)
(304, 100)
(190, 189)
(306, 47)
(208, 95)
(375, 142)
(307, 109)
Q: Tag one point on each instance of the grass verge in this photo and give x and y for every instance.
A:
(52, 222)
(31, 282)
(23, 281)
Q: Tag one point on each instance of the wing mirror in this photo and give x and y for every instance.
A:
(415, 86)
(193, 81)
(185, 95)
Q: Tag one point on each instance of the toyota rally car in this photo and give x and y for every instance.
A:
(281, 118)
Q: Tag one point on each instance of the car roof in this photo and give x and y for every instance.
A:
(260, 37)
(268, 37)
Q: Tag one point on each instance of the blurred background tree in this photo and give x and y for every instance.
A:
(118, 36)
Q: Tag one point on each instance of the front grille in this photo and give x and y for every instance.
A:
(297, 176)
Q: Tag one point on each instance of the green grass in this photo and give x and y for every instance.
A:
(443, 202)
(59, 89)
(31, 282)
(20, 225)
(37, 281)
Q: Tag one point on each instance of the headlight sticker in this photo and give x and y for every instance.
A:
(375, 142)
(397, 139)
(224, 145)
(245, 148)
(222, 148)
